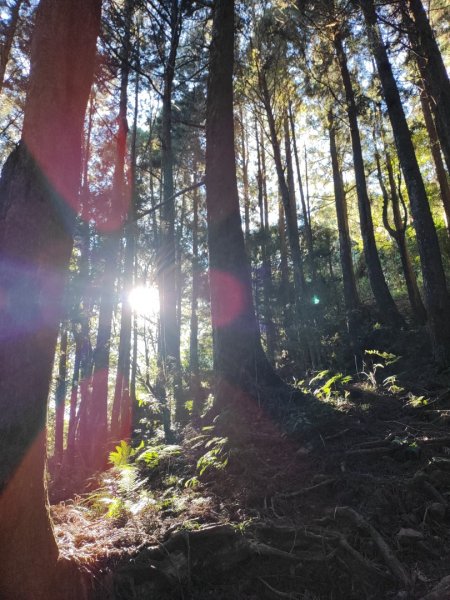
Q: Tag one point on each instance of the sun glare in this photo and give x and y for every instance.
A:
(144, 300)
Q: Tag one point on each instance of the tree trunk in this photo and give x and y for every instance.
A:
(240, 362)
(5, 48)
(167, 268)
(437, 300)
(244, 156)
(71, 434)
(383, 298)
(121, 418)
(437, 158)
(266, 266)
(99, 415)
(398, 234)
(432, 69)
(306, 221)
(284, 271)
(38, 196)
(291, 221)
(351, 298)
(60, 396)
(194, 367)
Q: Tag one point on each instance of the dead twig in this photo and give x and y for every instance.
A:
(392, 562)
(278, 592)
(306, 490)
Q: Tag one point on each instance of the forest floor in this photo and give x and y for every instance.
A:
(347, 498)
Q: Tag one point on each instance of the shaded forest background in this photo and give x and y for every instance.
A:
(177, 310)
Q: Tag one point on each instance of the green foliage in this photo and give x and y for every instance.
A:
(216, 458)
(123, 453)
(330, 388)
(371, 367)
(417, 401)
(153, 455)
(390, 383)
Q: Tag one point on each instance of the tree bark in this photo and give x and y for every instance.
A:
(38, 197)
(97, 456)
(167, 268)
(60, 396)
(351, 297)
(194, 366)
(433, 70)
(441, 175)
(383, 298)
(437, 300)
(121, 418)
(398, 234)
(306, 221)
(5, 48)
(240, 362)
(291, 221)
(266, 264)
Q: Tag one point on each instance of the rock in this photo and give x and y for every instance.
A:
(407, 536)
(437, 510)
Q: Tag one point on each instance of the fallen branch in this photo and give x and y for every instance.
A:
(392, 562)
(306, 490)
(278, 592)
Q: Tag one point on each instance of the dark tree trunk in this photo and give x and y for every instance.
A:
(244, 156)
(432, 69)
(167, 268)
(266, 265)
(284, 270)
(38, 196)
(240, 361)
(398, 233)
(351, 298)
(60, 396)
(5, 48)
(97, 457)
(435, 289)
(291, 218)
(306, 221)
(71, 434)
(383, 298)
(194, 367)
(441, 175)
(121, 418)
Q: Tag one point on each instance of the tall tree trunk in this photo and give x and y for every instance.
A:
(121, 418)
(351, 297)
(38, 196)
(432, 69)
(291, 222)
(398, 233)
(240, 361)
(99, 410)
(441, 175)
(284, 270)
(266, 266)
(306, 221)
(60, 395)
(437, 300)
(244, 156)
(71, 434)
(194, 367)
(5, 48)
(167, 268)
(383, 298)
